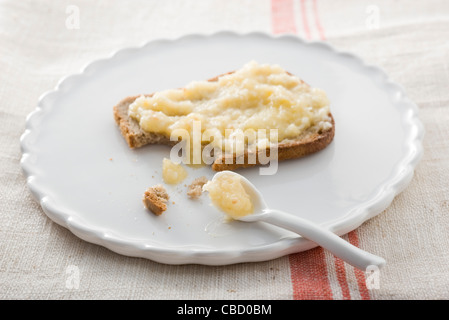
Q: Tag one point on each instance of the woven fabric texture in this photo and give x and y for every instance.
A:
(42, 41)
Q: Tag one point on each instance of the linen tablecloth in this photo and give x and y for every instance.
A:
(42, 41)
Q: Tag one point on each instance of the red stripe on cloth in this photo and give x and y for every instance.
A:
(317, 20)
(359, 274)
(352, 236)
(308, 269)
(282, 16)
(341, 277)
(305, 20)
(309, 275)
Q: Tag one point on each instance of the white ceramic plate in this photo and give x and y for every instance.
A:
(86, 178)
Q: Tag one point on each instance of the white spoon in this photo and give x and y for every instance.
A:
(309, 230)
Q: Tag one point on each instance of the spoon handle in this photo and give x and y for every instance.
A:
(325, 238)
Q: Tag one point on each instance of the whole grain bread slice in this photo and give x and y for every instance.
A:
(311, 141)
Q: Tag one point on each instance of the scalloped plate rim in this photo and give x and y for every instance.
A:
(403, 174)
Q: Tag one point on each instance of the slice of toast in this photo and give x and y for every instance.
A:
(309, 142)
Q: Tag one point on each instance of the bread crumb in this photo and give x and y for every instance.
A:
(155, 199)
(195, 189)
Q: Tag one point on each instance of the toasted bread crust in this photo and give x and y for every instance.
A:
(130, 129)
(136, 137)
